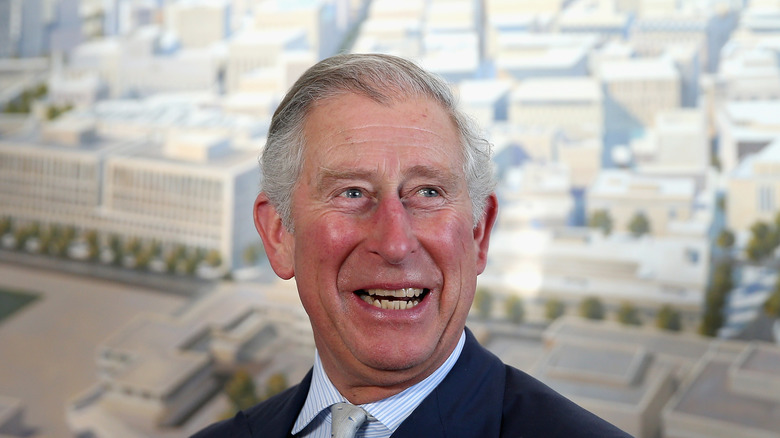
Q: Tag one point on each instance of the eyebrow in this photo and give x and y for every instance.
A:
(328, 177)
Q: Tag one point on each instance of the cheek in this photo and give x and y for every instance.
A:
(324, 242)
(451, 244)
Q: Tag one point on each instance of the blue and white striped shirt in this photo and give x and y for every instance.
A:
(314, 420)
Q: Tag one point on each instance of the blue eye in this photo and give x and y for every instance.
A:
(429, 192)
(352, 193)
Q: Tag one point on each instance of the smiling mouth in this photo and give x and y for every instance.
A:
(399, 299)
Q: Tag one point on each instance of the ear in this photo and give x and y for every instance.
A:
(483, 229)
(278, 242)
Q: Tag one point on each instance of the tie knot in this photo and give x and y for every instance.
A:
(347, 419)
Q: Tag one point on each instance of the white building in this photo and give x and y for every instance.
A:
(158, 374)
(706, 25)
(583, 157)
(676, 146)
(130, 66)
(666, 202)
(454, 56)
(522, 55)
(317, 19)
(746, 301)
(732, 391)
(167, 181)
(199, 23)
(748, 69)
(754, 189)
(250, 51)
(653, 383)
(595, 17)
(487, 100)
(520, 15)
(576, 105)
(745, 128)
(576, 263)
(635, 91)
(536, 194)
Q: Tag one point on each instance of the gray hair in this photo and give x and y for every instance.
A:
(384, 79)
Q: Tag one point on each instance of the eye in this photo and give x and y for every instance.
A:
(428, 192)
(352, 193)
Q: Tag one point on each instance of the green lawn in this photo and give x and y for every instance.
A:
(11, 301)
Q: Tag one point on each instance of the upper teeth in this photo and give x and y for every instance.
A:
(392, 304)
(407, 292)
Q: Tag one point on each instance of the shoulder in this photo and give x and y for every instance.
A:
(271, 417)
(537, 409)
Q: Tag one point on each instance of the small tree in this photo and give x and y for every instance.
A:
(515, 310)
(639, 225)
(6, 225)
(668, 319)
(772, 304)
(553, 309)
(715, 299)
(592, 308)
(275, 384)
(601, 219)
(93, 243)
(214, 258)
(762, 242)
(252, 254)
(241, 391)
(483, 302)
(725, 239)
(628, 314)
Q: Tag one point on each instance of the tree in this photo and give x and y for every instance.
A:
(772, 304)
(639, 225)
(591, 308)
(6, 225)
(117, 249)
(553, 309)
(214, 258)
(252, 254)
(721, 203)
(174, 257)
(483, 302)
(668, 319)
(275, 384)
(240, 389)
(54, 111)
(725, 239)
(627, 314)
(762, 241)
(601, 219)
(514, 308)
(93, 243)
(715, 299)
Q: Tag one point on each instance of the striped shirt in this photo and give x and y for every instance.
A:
(386, 415)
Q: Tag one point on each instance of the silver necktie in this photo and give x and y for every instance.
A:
(346, 420)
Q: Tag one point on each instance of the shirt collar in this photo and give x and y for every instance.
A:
(391, 411)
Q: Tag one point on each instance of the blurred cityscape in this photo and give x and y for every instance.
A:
(634, 266)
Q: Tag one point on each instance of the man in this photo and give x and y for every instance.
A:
(377, 196)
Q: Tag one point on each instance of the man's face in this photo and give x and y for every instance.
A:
(384, 249)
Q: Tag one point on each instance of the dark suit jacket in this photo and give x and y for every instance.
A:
(480, 397)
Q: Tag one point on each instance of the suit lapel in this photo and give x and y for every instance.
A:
(467, 403)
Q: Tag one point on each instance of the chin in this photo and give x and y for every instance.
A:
(400, 359)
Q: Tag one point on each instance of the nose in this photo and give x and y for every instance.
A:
(392, 236)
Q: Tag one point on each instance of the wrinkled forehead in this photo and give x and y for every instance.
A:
(360, 122)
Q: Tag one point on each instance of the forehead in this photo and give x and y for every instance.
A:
(353, 127)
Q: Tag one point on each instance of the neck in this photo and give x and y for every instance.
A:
(368, 385)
